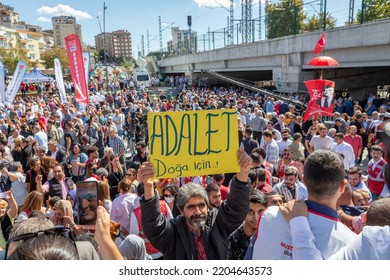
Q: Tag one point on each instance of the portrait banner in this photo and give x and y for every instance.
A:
(321, 98)
(193, 143)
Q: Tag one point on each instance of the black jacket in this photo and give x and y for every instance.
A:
(173, 237)
(60, 156)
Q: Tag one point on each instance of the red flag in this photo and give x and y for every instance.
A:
(75, 56)
(320, 44)
(321, 98)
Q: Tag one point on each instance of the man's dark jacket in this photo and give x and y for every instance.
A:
(176, 242)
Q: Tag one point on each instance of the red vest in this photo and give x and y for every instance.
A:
(137, 212)
(376, 180)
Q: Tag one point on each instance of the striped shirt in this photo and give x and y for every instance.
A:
(117, 144)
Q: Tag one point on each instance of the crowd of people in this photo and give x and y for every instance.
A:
(47, 147)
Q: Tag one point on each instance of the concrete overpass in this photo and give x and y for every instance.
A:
(363, 52)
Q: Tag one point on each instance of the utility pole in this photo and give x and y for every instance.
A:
(231, 27)
(104, 43)
(246, 12)
(362, 13)
(295, 19)
(142, 46)
(160, 33)
(148, 40)
(351, 11)
(260, 12)
(189, 22)
(324, 14)
(266, 19)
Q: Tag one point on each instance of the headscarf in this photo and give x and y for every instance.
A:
(72, 194)
(133, 248)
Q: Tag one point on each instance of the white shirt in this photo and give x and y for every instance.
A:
(121, 209)
(373, 243)
(19, 191)
(121, 119)
(349, 155)
(283, 145)
(11, 141)
(320, 143)
(273, 240)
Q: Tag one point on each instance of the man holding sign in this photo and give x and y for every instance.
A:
(197, 234)
(193, 143)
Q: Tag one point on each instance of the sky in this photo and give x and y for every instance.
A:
(138, 16)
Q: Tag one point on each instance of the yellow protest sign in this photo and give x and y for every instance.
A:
(192, 143)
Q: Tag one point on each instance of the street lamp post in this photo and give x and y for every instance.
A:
(324, 14)
(104, 43)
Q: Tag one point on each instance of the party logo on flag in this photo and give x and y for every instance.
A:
(321, 98)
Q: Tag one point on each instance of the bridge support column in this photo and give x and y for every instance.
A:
(287, 79)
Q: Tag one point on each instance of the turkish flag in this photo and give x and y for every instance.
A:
(321, 98)
(320, 44)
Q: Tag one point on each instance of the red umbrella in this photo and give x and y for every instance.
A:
(323, 61)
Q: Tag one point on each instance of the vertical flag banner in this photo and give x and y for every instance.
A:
(86, 66)
(2, 84)
(14, 85)
(320, 44)
(60, 80)
(321, 98)
(74, 50)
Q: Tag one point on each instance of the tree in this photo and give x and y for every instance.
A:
(11, 56)
(374, 10)
(55, 52)
(159, 55)
(316, 22)
(285, 18)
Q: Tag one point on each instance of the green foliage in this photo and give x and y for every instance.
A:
(159, 55)
(11, 56)
(316, 22)
(285, 18)
(55, 52)
(374, 10)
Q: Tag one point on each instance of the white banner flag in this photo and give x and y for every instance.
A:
(2, 85)
(86, 66)
(14, 85)
(60, 80)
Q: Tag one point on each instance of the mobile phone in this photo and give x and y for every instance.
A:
(3, 195)
(87, 202)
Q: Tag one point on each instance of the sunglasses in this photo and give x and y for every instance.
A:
(168, 195)
(59, 231)
(129, 174)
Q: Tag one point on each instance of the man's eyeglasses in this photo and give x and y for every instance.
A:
(61, 231)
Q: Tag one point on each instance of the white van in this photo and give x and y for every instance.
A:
(141, 77)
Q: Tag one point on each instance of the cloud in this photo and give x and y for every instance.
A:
(212, 3)
(63, 10)
(44, 19)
